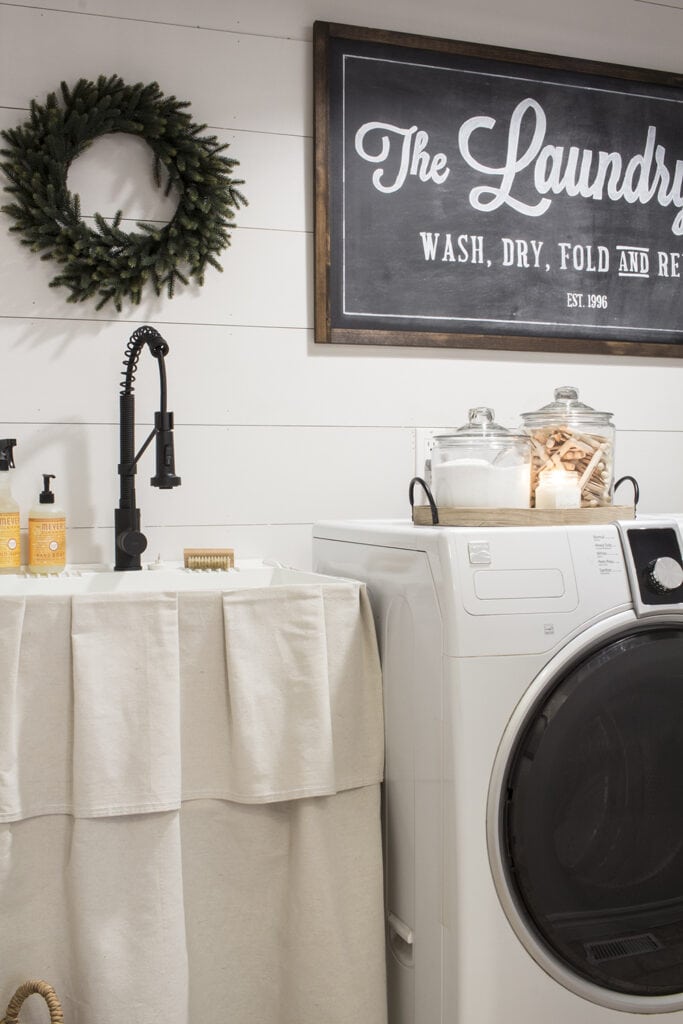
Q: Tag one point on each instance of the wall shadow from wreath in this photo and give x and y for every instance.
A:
(58, 335)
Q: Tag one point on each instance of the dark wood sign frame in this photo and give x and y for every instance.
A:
(385, 246)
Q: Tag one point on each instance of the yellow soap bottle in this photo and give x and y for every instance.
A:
(10, 537)
(46, 533)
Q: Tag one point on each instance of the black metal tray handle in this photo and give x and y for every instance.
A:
(636, 490)
(430, 497)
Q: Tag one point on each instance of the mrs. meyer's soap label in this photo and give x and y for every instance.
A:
(46, 542)
(10, 549)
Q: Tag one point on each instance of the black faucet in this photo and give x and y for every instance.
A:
(130, 541)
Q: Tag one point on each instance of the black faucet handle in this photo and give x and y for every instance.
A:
(130, 541)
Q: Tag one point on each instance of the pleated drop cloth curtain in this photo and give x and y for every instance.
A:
(189, 806)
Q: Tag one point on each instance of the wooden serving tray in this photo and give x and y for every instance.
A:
(422, 516)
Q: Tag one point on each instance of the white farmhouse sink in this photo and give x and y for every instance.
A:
(152, 578)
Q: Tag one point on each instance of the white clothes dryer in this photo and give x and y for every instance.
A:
(533, 683)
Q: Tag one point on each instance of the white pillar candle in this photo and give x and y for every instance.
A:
(558, 489)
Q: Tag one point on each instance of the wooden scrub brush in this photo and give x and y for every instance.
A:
(208, 558)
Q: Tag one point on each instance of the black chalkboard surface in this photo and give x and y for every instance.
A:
(480, 197)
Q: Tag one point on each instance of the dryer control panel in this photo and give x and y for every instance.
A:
(655, 565)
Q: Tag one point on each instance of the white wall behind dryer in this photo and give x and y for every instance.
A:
(272, 430)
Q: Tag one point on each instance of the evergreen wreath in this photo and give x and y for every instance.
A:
(103, 261)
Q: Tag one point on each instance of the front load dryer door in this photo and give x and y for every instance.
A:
(586, 818)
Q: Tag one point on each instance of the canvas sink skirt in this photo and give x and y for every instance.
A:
(189, 806)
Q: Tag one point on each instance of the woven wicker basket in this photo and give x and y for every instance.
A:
(41, 988)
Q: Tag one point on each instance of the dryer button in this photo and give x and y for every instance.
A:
(479, 552)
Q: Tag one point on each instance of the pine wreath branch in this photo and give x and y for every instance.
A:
(104, 262)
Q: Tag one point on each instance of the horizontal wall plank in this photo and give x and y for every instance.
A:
(115, 173)
(257, 83)
(231, 475)
(624, 31)
(70, 371)
(108, 180)
(289, 545)
(265, 282)
(653, 458)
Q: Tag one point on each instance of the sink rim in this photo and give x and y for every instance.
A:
(154, 577)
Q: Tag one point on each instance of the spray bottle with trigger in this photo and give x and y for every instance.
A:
(10, 537)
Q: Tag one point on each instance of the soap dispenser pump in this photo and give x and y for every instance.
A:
(10, 537)
(46, 533)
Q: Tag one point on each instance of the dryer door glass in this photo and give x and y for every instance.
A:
(592, 826)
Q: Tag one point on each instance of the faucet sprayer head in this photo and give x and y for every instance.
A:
(165, 477)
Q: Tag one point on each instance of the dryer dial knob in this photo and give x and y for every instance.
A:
(664, 574)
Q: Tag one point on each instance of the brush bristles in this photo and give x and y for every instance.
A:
(209, 558)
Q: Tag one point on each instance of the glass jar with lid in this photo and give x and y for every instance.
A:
(481, 465)
(571, 437)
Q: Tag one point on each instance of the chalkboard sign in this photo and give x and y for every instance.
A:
(480, 197)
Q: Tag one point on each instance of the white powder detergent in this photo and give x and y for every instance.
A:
(476, 483)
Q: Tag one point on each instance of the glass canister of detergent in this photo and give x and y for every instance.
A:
(481, 465)
(569, 436)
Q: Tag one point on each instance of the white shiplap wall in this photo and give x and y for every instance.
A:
(272, 430)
